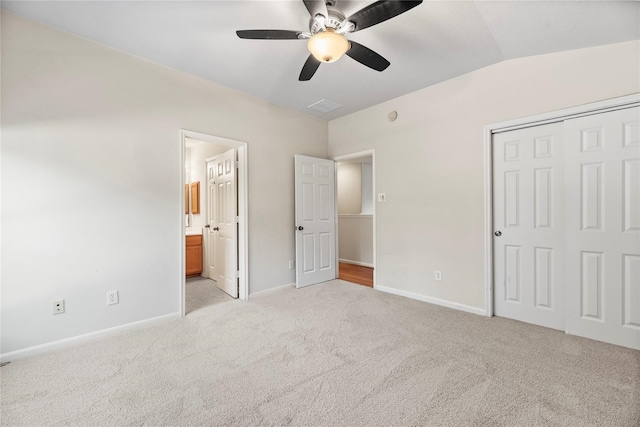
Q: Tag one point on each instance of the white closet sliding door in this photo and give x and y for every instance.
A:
(567, 212)
(602, 255)
(529, 225)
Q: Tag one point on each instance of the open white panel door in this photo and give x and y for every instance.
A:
(212, 220)
(223, 224)
(315, 220)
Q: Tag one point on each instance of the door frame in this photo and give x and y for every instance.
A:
(536, 120)
(350, 156)
(243, 213)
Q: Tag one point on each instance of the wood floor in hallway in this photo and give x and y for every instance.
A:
(356, 274)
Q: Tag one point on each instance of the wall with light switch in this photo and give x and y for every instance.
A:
(430, 160)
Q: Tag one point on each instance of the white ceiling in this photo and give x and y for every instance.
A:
(431, 43)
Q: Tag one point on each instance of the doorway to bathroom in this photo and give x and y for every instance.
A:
(214, 222)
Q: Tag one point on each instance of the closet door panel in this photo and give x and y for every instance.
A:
(602, 216)
(528, 217)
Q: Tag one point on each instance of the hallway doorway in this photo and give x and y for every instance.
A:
(355, 189)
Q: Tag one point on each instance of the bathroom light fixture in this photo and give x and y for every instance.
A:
(328, 46)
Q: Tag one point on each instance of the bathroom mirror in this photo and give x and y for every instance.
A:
(186, 199)
(195, 197)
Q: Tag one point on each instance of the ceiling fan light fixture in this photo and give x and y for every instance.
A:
(328, 46)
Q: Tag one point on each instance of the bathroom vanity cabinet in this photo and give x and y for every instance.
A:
(193, 255)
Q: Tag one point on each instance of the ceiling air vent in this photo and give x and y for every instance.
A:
(324, 106)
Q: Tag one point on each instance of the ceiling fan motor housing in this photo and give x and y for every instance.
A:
(334, 20)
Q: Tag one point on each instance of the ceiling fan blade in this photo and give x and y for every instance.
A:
(268, 34)
(367, 57)
(379, 12)
(309, 69)
(316, 7)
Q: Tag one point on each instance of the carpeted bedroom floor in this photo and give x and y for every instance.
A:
(332, 354)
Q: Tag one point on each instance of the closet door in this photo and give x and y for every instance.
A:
(602, 188)
(529, 225)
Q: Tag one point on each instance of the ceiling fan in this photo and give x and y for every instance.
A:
(327, 27)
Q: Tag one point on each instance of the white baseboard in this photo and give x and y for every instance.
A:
(363, 264)
(444, 303)
(277, 288)
(80, 339)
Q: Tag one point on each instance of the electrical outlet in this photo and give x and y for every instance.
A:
(112, 297)
(58, 307)
(438, 275)
(291, 264)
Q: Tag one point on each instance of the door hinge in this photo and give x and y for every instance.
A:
(237, 220)
(237, 274)
(237, 165)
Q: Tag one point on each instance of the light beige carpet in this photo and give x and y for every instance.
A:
(202, 292)
(331, 354)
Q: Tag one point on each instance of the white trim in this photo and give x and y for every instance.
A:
(243, 209)
(567, 113)
(183, 229)
(80, 339)
(539, 119)
(364, 153)
(430, 300)
(277, 288)
(243, 218)
(348, 261)
(350, 156)
(358, 216)
(488, 225)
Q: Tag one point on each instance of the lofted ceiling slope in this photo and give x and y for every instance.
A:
(433, 42)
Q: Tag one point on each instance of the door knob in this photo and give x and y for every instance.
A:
(498, 233)
(207, 226)
(300, 228)
(215, 229)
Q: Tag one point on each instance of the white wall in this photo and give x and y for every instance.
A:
(349, 187)
(367, 188)
(429, 162)
(355, 239)
(91, 182)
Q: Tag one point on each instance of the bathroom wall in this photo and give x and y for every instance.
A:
(201, 151)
